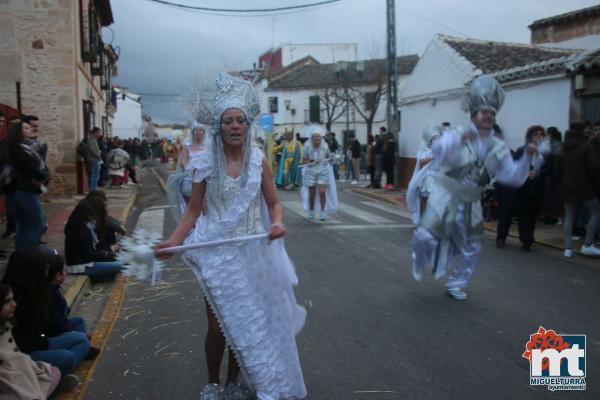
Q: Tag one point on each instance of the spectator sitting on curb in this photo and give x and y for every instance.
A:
(113, 226)
(85, 253)
(58, 310)
(26, 274)
(21, 378)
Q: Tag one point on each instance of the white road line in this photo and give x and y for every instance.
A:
(296, 206)
(369, 227)
(389, 209)
(361, 214)
(157, 208)
(152, 221)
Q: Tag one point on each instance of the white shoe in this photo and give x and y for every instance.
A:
(212, 391)
(457, 294)
(353, 182)
(590, 250)
(416, 273)
(568, 253)
(322, 216)
(311, 215)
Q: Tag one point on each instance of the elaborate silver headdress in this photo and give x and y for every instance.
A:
(189, 139)
(315, 129)
(231, 92)
(430, 132)
(485, 92)
(234, 92)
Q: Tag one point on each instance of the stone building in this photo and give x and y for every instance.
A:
(55, 65)
(576, 29)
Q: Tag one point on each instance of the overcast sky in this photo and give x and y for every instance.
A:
(163, 48)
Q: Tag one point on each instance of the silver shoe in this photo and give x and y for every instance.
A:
(457, 294)
(212, 391)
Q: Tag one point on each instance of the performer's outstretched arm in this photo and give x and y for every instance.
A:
(514, 173)
(445, 149)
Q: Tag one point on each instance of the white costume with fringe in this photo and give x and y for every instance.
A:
(248, 285)
(319, 172)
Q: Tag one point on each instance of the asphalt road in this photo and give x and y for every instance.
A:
(372, 331)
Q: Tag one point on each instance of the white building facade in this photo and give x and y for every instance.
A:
(128, 121)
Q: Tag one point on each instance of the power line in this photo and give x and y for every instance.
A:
(248, 10)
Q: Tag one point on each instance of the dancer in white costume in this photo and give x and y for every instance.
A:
(422, 180)
(317, 175)
(451, 227)
(248, 286)
(179, 183)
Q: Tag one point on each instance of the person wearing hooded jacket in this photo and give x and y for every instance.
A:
(578, 169)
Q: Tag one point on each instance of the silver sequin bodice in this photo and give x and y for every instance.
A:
(218, 204)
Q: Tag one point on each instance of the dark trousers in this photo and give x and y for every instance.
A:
(389, 173)
(371, 172)
(506, 209)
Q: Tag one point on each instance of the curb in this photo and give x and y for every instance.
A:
(376, 196)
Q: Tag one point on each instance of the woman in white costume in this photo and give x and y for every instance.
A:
(422, 181)
(248, 286)
(179, 183)
(450, 229)
(317, 175)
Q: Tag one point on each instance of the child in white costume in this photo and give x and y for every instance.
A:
(317, 175)
(248, 286)
(451, 227)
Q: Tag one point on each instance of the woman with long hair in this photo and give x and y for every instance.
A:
(85, 250)
(26, 274)
(30, 173)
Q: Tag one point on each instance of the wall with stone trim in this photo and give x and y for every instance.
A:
(40, 48)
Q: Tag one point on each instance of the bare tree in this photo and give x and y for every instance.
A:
(366, 99)
(333, 102)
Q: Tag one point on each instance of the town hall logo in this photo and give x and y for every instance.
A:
(556, 361)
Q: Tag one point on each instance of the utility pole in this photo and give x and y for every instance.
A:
(392, 79)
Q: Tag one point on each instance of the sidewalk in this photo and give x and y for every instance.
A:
(58, 210)
(546, 235)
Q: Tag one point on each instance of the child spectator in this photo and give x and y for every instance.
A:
(58, 310)
(26, 274)
(85, 252)
(113, 226)
(21, 378)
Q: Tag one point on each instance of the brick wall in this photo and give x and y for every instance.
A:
(566, 30)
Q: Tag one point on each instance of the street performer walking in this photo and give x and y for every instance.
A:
(451, 227)
(248, 286)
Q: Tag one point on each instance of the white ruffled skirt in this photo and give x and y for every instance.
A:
(249, 289)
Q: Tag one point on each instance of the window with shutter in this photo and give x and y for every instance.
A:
(315, 109)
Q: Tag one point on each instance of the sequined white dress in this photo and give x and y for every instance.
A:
(249, 286)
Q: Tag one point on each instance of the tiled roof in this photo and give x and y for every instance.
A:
(324, 75)
(492, 57)
(593, 10)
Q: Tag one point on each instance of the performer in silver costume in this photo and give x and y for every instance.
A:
(451, 227)
(317, 175)
(248, 286)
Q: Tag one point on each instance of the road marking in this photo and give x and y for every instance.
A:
(151, 221)
(362, 214)
(157, 208)
(387, 208)
(296, 206)
(368, 227)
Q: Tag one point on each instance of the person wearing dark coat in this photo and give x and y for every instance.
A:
(578, 170)
(85, 250)
(30, 173)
